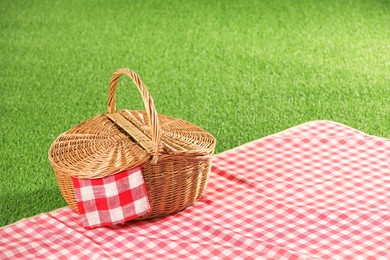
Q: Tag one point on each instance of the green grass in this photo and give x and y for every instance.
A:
(240, 69)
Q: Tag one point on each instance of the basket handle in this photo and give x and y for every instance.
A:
(148, 103)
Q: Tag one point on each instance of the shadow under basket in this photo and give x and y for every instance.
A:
(175, 155)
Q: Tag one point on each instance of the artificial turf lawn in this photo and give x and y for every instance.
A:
(239, 69)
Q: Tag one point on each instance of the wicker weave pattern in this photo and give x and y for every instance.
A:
(175, 154)
(148, 103)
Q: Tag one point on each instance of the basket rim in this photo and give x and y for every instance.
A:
(163, 155)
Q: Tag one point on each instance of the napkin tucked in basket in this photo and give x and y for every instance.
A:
(111, 200)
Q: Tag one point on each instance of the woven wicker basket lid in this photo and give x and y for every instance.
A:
(120, 140)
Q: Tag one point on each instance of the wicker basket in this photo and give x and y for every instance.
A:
(175, 155)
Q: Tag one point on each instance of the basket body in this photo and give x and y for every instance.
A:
(172, 185)
(175, 155)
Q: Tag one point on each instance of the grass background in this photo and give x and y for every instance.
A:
(240, 69)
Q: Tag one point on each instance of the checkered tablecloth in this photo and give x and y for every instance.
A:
(317, 191)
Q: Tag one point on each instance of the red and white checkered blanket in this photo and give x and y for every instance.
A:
(320, 190)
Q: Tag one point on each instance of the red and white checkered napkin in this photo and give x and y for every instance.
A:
(111, 200)
(317, 191)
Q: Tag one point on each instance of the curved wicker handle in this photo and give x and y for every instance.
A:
(148, 103)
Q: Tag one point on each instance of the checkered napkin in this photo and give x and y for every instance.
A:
(111, 200)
